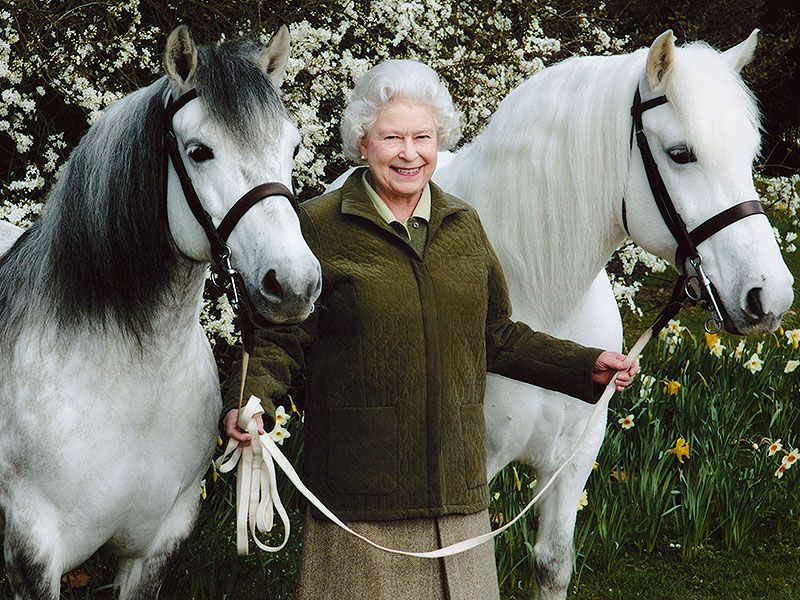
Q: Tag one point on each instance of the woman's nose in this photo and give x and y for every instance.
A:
(409, 149)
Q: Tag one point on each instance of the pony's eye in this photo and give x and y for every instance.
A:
(201, 153)
(296, 151)
(681, 155)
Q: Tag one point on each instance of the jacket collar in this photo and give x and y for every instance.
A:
(355, 201)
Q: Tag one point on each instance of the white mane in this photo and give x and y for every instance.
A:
(548, 173)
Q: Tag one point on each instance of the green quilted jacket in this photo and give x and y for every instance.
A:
(395, 358)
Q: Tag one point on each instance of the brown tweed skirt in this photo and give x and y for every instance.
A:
(336, 565)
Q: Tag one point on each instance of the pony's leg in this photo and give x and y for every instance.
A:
(30, 565)
(558, 510)
(140, 578)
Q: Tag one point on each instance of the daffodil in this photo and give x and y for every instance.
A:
(712, 339)
(793, 335)
(754, 364)
(646, 382)
(674, 327)
(671, 387)
(681, 450)
(791, 458)
(278, 434)
(203, 493)
(595, 466)
(774, 447)
(791, 365)
(737, 353)
(583, 500)
(281, 417)
(781, 470)
(626, 422)
(294, 408)
(517, 481)
(759, 347)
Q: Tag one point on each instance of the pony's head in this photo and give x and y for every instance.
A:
(234, 136)
(704, 140)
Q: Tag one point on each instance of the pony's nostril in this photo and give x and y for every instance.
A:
(271, 285)
(754, 306)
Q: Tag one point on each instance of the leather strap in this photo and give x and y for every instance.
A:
(248, 201)
(720, 221)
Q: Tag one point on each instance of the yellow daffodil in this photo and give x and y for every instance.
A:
(595, 466)
(793, 335)
(214, 472)
(712, 339)
(626, 422)
(774, 447)
(278, 434)
(294, 408)
(681, 450)
(754, 364)
(203, 493)
(781, 470)
(219, 440)
(583, 500)
(791, 365)
(281, 418)
(517, 481)
(671, 387)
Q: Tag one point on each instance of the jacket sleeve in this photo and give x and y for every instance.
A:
(278, 355)
(515, 350)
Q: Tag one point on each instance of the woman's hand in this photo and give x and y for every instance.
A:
(233, 431)
(609, 363)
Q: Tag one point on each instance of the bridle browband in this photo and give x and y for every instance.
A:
(687, 240)
(223, 275)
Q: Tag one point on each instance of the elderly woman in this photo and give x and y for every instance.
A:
(414, 311)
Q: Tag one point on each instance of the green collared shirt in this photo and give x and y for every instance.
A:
(415, 229)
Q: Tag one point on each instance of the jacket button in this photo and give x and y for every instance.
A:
(415, 225)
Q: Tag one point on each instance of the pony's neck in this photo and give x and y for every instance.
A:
(547, 177)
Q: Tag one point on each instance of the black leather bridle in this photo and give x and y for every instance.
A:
(223, 275)
(687, 240)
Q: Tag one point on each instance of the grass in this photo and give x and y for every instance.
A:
(767, 568)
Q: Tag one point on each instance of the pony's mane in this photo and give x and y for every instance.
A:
(533, 173)
(102, 250)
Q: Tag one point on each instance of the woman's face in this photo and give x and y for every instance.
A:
(401, 150)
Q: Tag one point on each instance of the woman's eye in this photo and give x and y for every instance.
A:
(201, 153)
(681, 155)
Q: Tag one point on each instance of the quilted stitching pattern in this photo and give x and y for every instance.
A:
(407, 337)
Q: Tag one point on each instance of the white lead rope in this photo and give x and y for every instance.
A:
(257, 491)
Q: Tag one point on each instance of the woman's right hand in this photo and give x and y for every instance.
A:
(232, 428)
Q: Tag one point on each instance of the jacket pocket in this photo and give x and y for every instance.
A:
(473, 426)
(363, 450)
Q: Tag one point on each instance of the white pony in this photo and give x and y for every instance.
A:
(109, 395)
(548, 177)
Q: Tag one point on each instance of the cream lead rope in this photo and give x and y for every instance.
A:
(257, 491)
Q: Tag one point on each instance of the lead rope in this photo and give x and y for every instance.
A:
(257, 491)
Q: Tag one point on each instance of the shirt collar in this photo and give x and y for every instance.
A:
(421, 211)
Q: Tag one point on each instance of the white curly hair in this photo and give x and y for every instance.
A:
(401, 80)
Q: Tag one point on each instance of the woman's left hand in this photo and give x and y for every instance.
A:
(610, 363)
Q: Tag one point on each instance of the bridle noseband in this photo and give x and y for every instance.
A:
(223, 275)
(687, 240)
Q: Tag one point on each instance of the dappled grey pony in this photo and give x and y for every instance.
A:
(109, 395)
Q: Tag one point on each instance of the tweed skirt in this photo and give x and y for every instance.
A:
(335, 565)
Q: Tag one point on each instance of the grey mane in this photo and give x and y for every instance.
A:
(102, 251)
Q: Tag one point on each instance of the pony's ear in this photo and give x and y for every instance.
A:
(275, 57)
(660, 59)
(742, 53)
(180, 56)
